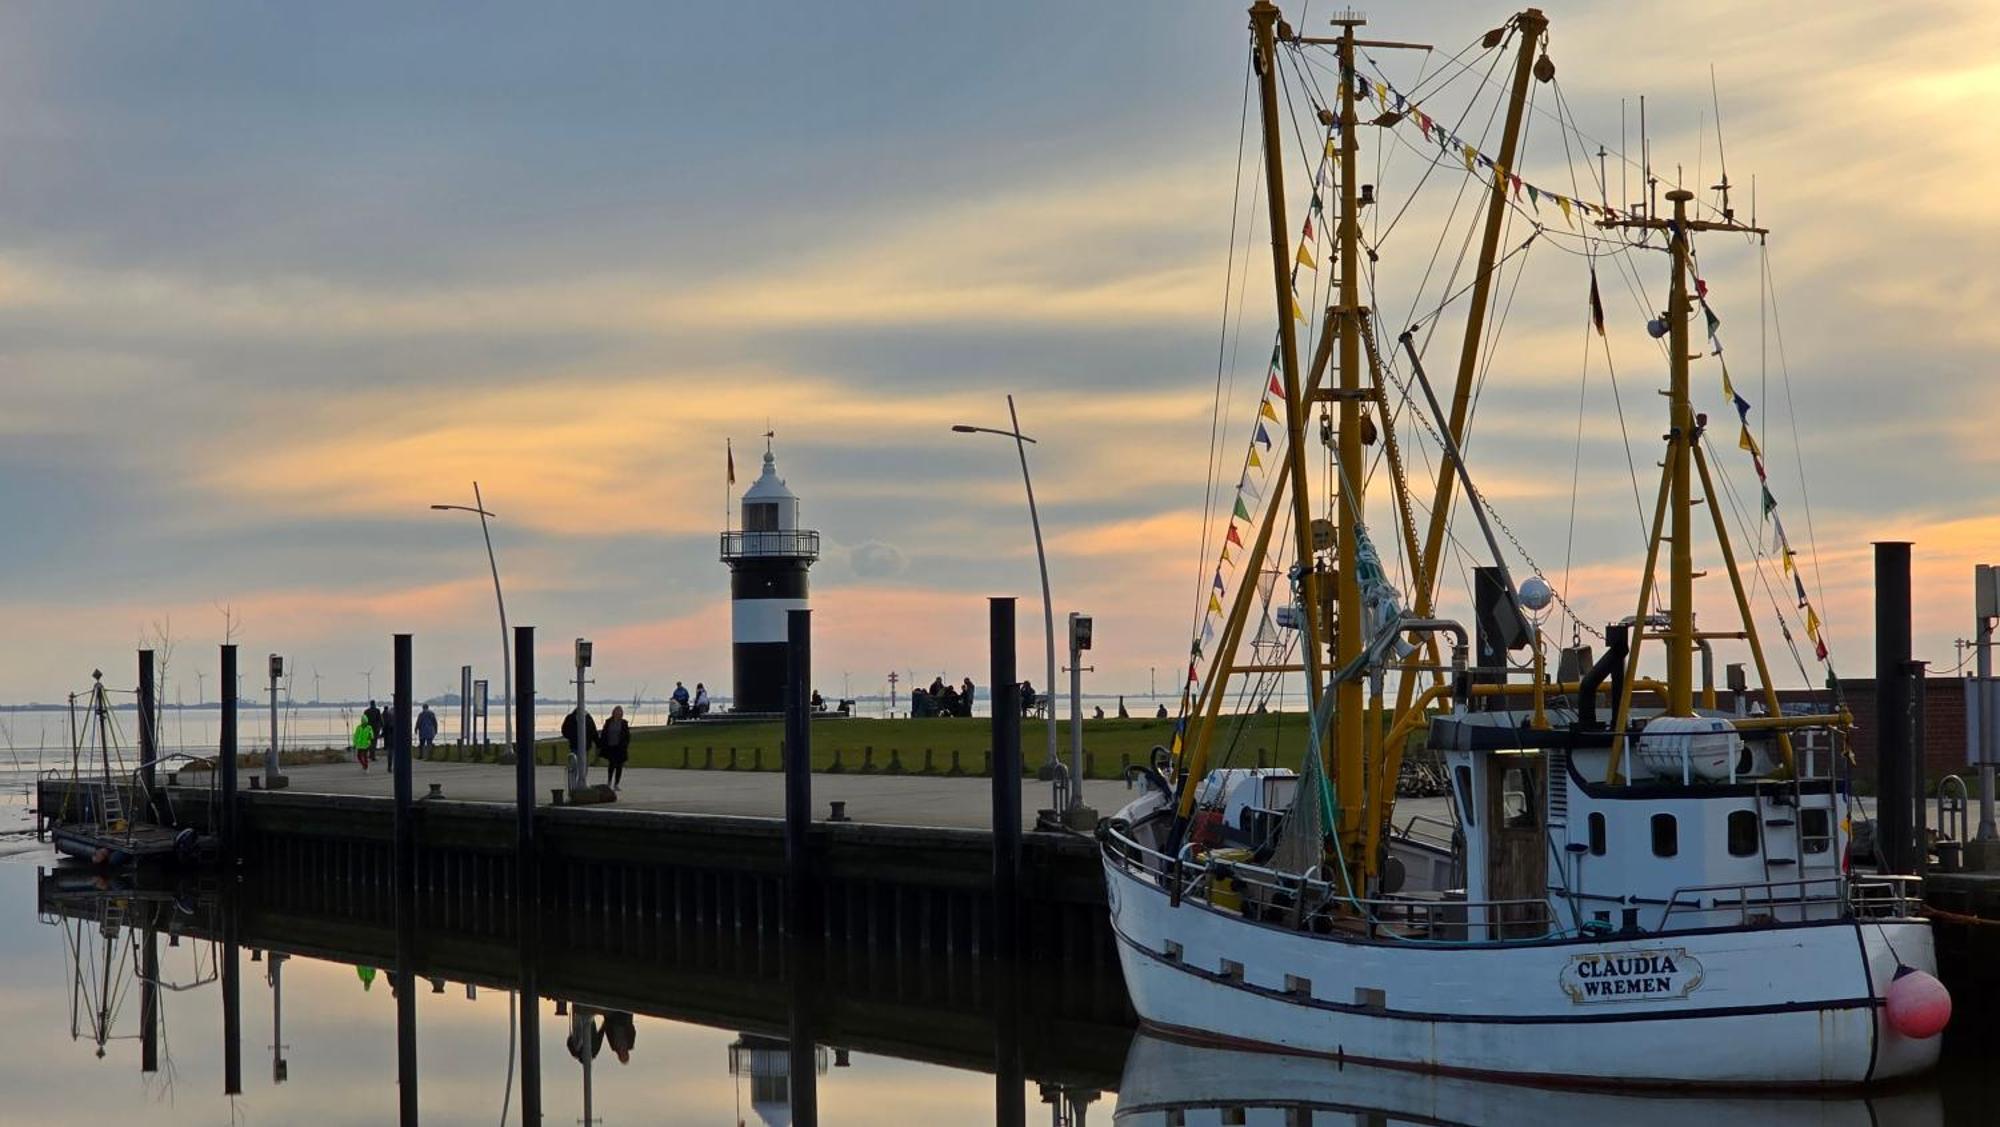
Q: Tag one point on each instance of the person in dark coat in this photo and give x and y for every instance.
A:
(373, 715)
(614, 742)
(589, 737)
(427, 730)
(965, 697)
(386, 732)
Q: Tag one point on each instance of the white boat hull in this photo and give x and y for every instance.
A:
(1795, 1005)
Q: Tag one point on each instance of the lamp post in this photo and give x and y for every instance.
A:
(1064, 798)
(506, 655)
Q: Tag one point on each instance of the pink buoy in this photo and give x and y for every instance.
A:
(1917, 1004)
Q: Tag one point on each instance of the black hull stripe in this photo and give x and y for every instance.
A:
(1490, 1019)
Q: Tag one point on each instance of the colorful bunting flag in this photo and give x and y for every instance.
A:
(1812, 624)
(1819, 648)
(1264, 437)
(1745, 442)
(1255, 461)
(1298, 310)
(1214, 605)
(1471, 158)
(1267, 411)
(1233, 538)
(1798, 582)
(1242, 513)
(1596, 303)
(1247, 486)
(1208, 630)
(1305, 257)
(1308, 233)
(1770, 502)
(1563, 202)
(1276, 388)
(1226, 557)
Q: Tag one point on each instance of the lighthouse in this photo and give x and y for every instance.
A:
(767, 562)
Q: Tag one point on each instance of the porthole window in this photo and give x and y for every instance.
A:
(1742, 833)
(1666, 836)
(1596, 834)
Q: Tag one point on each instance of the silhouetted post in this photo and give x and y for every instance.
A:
(1006, 770)
(406, 889)
(232, 974)
(1010, 1098)
(149, 751)
(798, 767)
(527, 900)
(1893, 767)
(227, 754)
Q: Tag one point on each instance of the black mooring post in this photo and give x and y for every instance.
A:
(801, 913)
(1006, 770)
(232, 973)
(1010, 1107)
(527, 900)
(149, 751)
(226, 753)
(798, 769)
(1893, 766)
(406, 888)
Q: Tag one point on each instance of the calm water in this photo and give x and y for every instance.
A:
(70, 985)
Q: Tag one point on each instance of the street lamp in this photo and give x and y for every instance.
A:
(506, 655)
(1021, 442)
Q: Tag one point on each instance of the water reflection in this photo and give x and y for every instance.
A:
(644, 1039)
(1169, 1083)
(704, 1020)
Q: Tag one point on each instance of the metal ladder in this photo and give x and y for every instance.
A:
(1778, 809)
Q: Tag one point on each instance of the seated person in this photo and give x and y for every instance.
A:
(1027, 696)
(948, 702)
(700, 699)
(818, 702)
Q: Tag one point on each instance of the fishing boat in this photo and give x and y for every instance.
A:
(92, 821)
(1638, 881)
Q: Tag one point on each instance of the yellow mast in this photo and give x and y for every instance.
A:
(1264, 21)
(1683, 461)
(1348, 710)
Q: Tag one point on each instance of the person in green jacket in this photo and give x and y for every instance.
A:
(364, 742)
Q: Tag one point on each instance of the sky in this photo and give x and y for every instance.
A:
(274, 279)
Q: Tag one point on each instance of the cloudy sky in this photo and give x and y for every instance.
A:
(273, 279)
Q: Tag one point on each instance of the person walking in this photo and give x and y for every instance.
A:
(373, 715)
(614, 741)
(581, 751)
(965, 697)
(385, 735)
(364, 742)
(427, 730)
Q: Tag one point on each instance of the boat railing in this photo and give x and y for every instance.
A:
(1307, 902)
(1886, 896)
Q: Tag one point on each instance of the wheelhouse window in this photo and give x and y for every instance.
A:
(1816, 827)
(1666, 835)
(1596, 834)
(1742, 833)
(1517, 798)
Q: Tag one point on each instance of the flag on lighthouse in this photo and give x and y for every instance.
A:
(730, 449)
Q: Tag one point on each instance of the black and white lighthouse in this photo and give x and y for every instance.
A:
(767, 577)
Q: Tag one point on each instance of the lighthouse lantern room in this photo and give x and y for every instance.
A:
(767, 561)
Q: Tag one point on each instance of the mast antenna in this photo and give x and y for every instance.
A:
(1722, 155)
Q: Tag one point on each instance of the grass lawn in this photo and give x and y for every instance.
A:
(928, 745)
